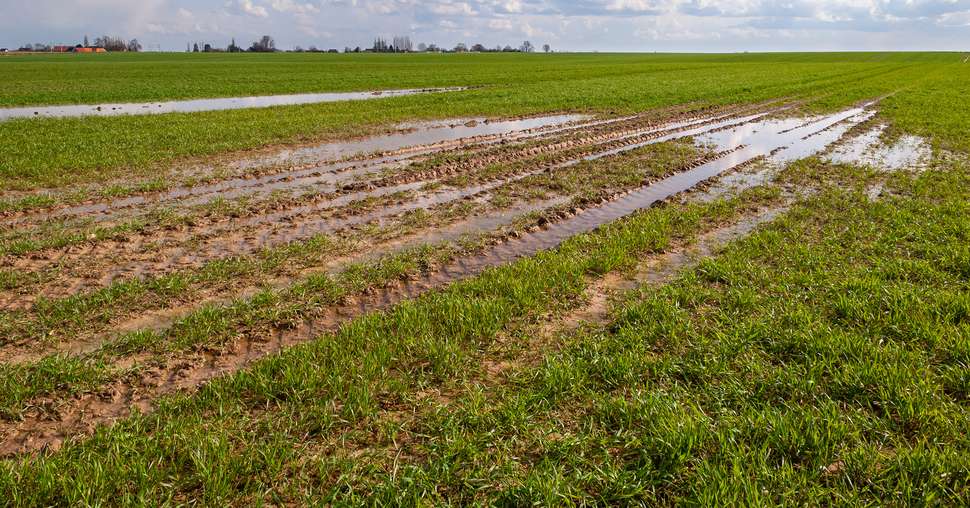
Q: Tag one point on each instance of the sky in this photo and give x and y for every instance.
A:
(584, 25)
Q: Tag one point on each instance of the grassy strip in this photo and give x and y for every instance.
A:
(253, 424)
(822, 360)
(209, 326)
(82, 79)
(59, 152)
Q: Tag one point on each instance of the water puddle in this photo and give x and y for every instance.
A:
(330, 164)
(788, 139)
(743, 144)
(746, 143)
(412, 135)
(196, 105)
(868, 149)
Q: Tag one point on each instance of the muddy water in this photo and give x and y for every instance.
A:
(329, 168)
(747, 142)
(785, 140)
(196, 105)
(868, 149)
(414, 135)
(245, 235)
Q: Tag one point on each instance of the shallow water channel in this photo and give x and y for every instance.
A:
(196, 105)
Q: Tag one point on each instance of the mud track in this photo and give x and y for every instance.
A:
(332, 200)
(740, 140)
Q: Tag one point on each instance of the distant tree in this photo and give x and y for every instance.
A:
(233, 48)
(111, 43)
(422, 47)
(265, 44)
(297, 49)
(195, 47)
(546, 48)
(479, 48)
(527, 47)
(357, 49)
(40, 46)
(508, 49)
(86, 41)
(207, 48)
(433, 48)
(402, 44)
(134, 46)
(460, 47)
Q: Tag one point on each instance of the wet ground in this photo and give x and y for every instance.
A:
(196, 105)
(518, 182)
(869, 149)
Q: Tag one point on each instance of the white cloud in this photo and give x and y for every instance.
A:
(452, 9)
(252, 9)
(294, 7)
(712, 25)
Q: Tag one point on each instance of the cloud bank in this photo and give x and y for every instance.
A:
(584, 25)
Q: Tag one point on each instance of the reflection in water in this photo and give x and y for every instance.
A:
(415, 135)
(195, 105)
(327, 166)
(867, 148)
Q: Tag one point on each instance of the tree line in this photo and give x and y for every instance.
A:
(397, 44)
(403, 44)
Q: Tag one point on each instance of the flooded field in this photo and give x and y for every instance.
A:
(591, 279)
(197, 105)
(513, 188)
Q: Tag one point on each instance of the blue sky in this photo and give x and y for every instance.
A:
(585, 25)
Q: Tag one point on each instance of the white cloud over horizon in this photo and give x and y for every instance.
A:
(584, 25)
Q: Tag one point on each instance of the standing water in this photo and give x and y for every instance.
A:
(196, 105)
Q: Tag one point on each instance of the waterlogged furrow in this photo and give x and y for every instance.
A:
(196, 105)
(328, 163)
(154, 252)
(178, 374)
(293, 169)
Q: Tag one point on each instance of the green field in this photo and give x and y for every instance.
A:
(670, 357)
(47, 153)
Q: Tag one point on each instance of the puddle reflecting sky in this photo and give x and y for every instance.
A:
(868, 148)
(196, 105)
(425, 133)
